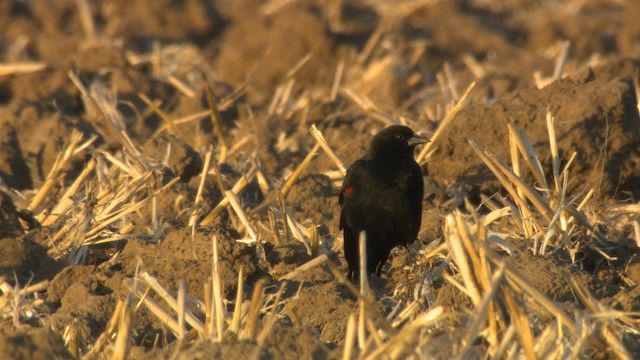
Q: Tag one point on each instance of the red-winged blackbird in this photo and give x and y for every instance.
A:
(382, 196)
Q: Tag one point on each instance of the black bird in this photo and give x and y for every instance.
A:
(382, 196)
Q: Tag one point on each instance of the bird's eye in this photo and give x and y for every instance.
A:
(398, 137)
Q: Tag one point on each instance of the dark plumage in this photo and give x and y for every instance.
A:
(382, 195)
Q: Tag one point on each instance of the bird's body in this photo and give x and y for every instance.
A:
(382, 196)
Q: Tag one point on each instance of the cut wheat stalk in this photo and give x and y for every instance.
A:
(109, 331)
(483, 310)
(237, 311)
(474, 66)
(565, 170)
(122, 343)
(187, 139)
(121, 165)
(315, 262)
(302, 62)
(181, 310)
(86, 20)
(203, 177)
(236, 189)
(314, 241)
(296, 230)
(397, 341)
(61, 161)
(249, 331)
(458, 285)
(350, 338)
(451, 81)
(85, 145)
(372, 42)
(22, 68)
(337, 80)
(636, 86)
(528, 154)
(550, 344)
(422, 156)
(274, 228)
(113, 202)
(303, 165)
(235, 204)
(181, 86)
(271, 318)
(582, 219)
(263, 183)
(281, 98)
(558, 69)
(607, 332)
(522, 324)
(518, 280)
(215, 120)
(543, 207)
(183, 120)
(496, 323)
(456, 246)
(93, 104)
(119, 203)
(376, 69)
(375, 341)
(127, 209)
(65, 203)
(474, 256)
(362, 316)
(283, 214)
(156, 58)
(515, 161)
(5, 287)
(555, 166)
(491, 217)
(552, 231)
(503, 173)
(209, 317)
(275, 99)
(368, 106)
(285, 109)
(171, 301)
(317, 134)
(547, 350)
(153, 307)
(477, 262)
(217, 291)
(505, 180)
(406, 314)
(506, 343)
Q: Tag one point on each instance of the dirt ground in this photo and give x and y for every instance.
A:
(101, 189)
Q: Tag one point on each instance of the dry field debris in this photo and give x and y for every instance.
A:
(169, 174)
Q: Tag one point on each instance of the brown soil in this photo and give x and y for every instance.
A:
(271, 67)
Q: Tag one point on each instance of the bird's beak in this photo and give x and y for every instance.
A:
(417, 140)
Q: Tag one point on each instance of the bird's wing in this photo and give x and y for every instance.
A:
(348, 185)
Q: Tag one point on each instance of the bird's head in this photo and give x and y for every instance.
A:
(396, 140)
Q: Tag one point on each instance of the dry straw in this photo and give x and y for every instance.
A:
(426, 150)
(22, 68)
(507, 305)
(236, 189)
(509, 316)
(554, 212)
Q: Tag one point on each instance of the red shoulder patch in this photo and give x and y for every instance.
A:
(348, 191)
